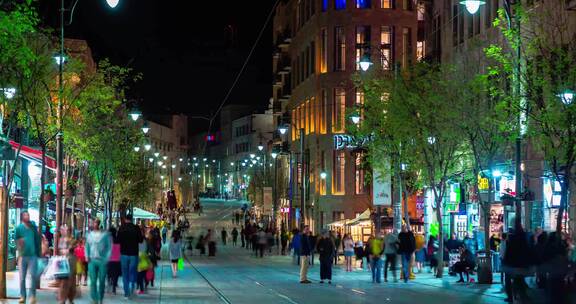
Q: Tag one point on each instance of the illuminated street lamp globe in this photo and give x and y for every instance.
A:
(260, 147)
(355, 118)
(112, 3)
(156, 154)
(137, 149)
(252, 155)
(151, 159)
(179, 179)
(323, 175)
(165, 157)
(59, 59)
(274, 154)
(566, 97)
(254, 161)
(365, 63)
(135, 114)
(160, 163)
(173, 166)
(472, 6)
(231, 163)
(147, 147)
(283, 129)
(145, 128)
(163, 166)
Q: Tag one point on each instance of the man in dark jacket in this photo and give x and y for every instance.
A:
(326, 250)
(305, 251)
(407, 245)
(129, 236)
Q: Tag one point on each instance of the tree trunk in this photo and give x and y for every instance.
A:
(405, 206)
(42, 203)
(564, 190)
(440, 257)
(397, 206)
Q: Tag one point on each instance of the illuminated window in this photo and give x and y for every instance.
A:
(324, 5)
(359, 174)
(421, 11)
(307, 116)
(362, 43)
(386, 33)
(362, 3)
(323, 51)
(386, 3)
(312, 110)
(360, 101)
(338, 110)
(323, 111)
(407, 5)
(340, 4)
(338, 173)
(340, 49)
(293, 126)
(420, 50)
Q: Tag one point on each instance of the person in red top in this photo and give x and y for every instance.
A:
(81, 264)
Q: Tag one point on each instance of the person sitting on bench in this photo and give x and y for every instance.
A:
(464, 265)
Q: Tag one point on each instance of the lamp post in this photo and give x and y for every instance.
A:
(60, 60)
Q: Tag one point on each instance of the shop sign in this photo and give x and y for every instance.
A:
(344, 141)
(552, 195)
(483, 183)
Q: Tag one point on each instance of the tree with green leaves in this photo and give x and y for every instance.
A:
(547, 79)
(413, 120)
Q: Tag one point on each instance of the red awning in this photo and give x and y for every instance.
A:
(33, 154)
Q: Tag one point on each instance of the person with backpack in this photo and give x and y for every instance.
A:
(407, 246)
(376, 251)
(98, 248)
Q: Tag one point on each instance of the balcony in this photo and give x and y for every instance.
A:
(284, 38)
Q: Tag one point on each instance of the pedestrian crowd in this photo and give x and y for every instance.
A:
(97, 259)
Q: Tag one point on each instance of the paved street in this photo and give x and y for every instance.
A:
(235, 276)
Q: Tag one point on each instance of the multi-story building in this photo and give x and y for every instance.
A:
(319, 45)
(168, 137)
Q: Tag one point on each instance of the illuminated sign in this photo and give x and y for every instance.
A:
(343, 141)
(483, 183)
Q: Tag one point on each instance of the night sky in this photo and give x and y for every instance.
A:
(189, 52)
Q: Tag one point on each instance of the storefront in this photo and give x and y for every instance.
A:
(552, 197)
(25, 190)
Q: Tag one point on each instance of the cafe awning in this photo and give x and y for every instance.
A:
(34, 155)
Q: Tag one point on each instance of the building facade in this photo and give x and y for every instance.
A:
(318, 47)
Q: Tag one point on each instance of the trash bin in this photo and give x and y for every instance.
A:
(484, 268)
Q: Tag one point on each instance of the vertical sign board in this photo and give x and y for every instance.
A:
(382, 189)
(267, 199)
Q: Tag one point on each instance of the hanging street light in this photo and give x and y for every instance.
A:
(355, 117)
(137, 149)
(260, 147)
(156, 154)
(173, 166)
(323, 175)
(472, 6)
(112, 3)
(145, 128)
(151, 160)
(9, 93)
(59, 59)
(274, 155)
(160, 163)
(566, 97)
(365, 62)
(283, 129)
(252, 155)
(135, 114)
(147, 147)
(165, 157)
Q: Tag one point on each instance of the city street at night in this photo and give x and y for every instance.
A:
(288, 151)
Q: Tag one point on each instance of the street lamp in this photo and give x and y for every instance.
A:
(179, 179)
(283, 129)
(496, 173)
(323, 175)
(9, 92)
(472, 6)
(566, 97)
(156, 154)
(151, 160)
(145, 128)
(365, 62)
(112, 3)
(252, 155)
(231, 163)
(135, 114)
(59, 59)
(165, 157)
(160, 163)
(355, 117)
(147, 147)
(274, 155)
(137, 149)
(260, 147)
(254, 161)
(173, 166)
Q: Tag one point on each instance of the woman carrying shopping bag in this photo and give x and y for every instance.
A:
(175, 248)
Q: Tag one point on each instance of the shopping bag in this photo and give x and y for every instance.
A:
(150, 274)
(41, 266)
(180, 264)
(143, 262)
(58, 268)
